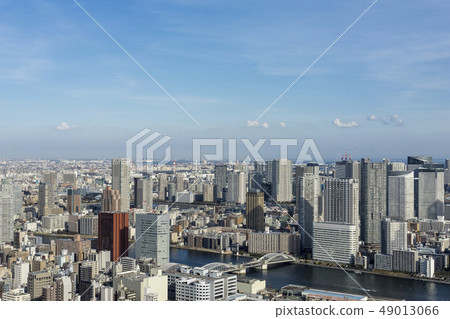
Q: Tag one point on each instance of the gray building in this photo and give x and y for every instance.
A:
(393, 236)
(401, 195)
(307, 205)
(121, 181)
(10, 206)
(341, 199)
(430, 193)
(373, 205)
(220, 181)
(282, 180)
(143, 194)
(348, 169)
(153, 237)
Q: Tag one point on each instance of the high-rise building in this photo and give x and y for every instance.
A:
(121, 181)
(143, 194)
(430, 193)
(393, 235)
(110, 200)
(341, 199)
(335, 242)
(208, 193)
(20, 273)
(307, 205)
(373, 204)
(282, 180)
(414, 162)
(162, 186)
(180, 182)
(153, 237)
(348, 169)
(220, 181)
(401, 195)
(255, 211)
(405, 260)
(113, 233)
(46, 199)
(74, 201)
(236, 187)
(10, 206)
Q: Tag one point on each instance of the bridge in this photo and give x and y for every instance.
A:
(261, 263)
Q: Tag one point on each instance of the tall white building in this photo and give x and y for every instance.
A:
(427, 266)
(10, 206)
(20, 273)
(393, 236)
(282, 180)
(430, 193)
(153, 237)
(335, 242)
(121, 181)
(341, 198)
(307, 204)
(236, 187)
(401, 195)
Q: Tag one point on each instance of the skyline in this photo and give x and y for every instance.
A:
(70, 92)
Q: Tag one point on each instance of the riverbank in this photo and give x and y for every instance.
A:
(220, 252)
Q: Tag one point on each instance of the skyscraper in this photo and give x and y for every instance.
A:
(255, 211)
(430, 193)
(143, 194)
(373, 206)
(348, 169)
(46, 199)
(393, 236)
(236, 187)
(162, 186)
(307, 204)
(401, 195)
(74, 201)
(10, 205)
(282, 180)
(110, 200)
(341, 197)
(121, 181)
(153, 237)
(220, 181)
(113, 233)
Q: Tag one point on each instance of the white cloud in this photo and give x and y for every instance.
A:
(387, 119)
(282, 124)
(256, 124)
(64, 126)
(339, 123)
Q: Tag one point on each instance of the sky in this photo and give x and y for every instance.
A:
(68, 91)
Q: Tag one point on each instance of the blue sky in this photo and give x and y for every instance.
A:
(68, 91)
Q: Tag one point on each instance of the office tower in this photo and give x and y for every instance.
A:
(282, 180)
(171, 192)
(310, 168)
(143, 194)
(37, 281)
(121, 181)
(46, 199)
(255, 211)
(179, 179)
(69, 178)
(110, 200)
(220, 181)
(430, 197)
(335, 242)
(236, 187)
(260, 168)
(50, 178)
(208, 193)
(348, 169)
(401, 195)
(10, 206)
(153, 237)
(341, 200)
(373, 204)
(255, 181)
(74, 201)
(414, 162)
(393, 235)
(113, 233)
(308, 191)
(162, 186)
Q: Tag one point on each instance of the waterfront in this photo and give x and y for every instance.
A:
(324, 278)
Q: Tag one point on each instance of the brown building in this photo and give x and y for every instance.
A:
(110, 200)
(255, 211)
(77, 245)
(36, 282)
(113, 233)
(74, 201)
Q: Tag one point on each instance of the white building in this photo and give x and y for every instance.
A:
(427, 266)
(20, 273)
(107, 293)
(335, 242)
(236, 187)
(307, 205)
(393, 236)
(430, 193)
(184, 197)
(401, 195)
(10, 206)
(282, 180)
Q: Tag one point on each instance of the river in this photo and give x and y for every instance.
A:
(324, 278)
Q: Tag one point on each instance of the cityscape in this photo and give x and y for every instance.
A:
(104, 230)
(287, 151)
